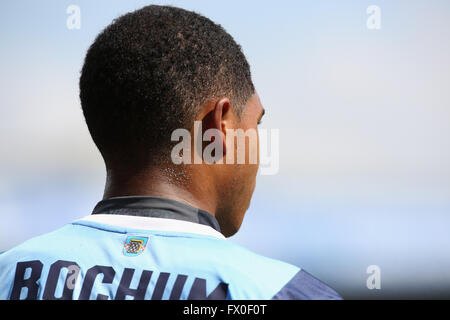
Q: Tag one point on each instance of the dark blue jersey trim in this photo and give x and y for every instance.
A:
(304, 286)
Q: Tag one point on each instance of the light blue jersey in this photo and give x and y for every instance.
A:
(148, 248)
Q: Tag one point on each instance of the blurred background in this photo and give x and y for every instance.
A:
(364, 119)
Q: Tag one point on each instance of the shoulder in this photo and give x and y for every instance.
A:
(28, 258)
(46, 246)
(304, 286)
(273, 279)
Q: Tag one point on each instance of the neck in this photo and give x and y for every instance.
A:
(165, 183)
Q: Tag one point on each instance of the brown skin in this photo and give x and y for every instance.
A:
(224, 190)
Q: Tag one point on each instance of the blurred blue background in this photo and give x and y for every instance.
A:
(364, 119)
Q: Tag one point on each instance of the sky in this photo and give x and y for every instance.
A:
(363, 116)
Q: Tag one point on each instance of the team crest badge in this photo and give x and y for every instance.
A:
(134, 246)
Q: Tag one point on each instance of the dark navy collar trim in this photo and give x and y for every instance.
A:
(155, 207)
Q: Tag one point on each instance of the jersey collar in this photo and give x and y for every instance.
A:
(155, 207)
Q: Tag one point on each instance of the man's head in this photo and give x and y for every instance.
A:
(159, 69)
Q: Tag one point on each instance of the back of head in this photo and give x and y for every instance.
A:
(149, 73)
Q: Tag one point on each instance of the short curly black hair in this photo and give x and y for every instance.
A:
(149, 73)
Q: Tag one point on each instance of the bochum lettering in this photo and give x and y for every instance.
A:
(28, 276)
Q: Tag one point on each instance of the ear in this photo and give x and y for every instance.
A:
(217, 119)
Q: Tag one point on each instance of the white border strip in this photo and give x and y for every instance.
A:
(154, 224)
